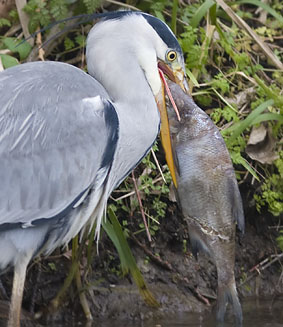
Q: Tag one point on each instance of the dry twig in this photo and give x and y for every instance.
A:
(260, 267)
(24, 19)
(141, 206)
(1, 65)
(242, 24)
(41, 52)
(156, 259)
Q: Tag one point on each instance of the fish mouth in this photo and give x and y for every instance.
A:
(176, 74)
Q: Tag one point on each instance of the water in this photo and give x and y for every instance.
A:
(257, 313)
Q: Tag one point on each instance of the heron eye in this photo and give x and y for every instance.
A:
(171, 55)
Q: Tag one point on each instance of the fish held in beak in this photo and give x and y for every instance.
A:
(176, 76)
(208, 194)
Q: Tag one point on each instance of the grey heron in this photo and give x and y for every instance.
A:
(68, 138)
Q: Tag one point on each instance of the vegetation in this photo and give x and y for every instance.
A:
(234, 63)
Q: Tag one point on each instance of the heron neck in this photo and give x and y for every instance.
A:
(128, 89)
(137, 110)
(139, 122)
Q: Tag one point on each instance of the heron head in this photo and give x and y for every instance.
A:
(141, 45)
(170, 61)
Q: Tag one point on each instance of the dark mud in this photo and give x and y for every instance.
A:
(180, 283)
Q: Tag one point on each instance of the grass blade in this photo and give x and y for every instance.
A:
(192, 77)
(224, 100)
(174, 17)
(200, 13)
(238, 159)
(265, 7)
(128, 262)
(267, 117)
(212, 14)
(238, 128)
(277, 98)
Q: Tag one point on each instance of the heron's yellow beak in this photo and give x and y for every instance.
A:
(175, 74)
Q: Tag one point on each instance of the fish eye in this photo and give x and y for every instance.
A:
(171, 55)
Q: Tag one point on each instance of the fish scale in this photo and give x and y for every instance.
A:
(207, 193)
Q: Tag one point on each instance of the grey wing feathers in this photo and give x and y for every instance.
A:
(53, 138)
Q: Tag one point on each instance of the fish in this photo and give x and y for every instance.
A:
(207, 193)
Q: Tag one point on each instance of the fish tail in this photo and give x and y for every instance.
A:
(228, 293)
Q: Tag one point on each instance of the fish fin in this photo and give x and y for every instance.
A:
(229, 294)
(197, 243)
(237, 205)
(195, 247)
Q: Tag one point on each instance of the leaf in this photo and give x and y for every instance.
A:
(261, 145)
(264, 6)
(199, 14)
(52, 266)
(266, 117)
(68, 43)
(276, 97)
(192, 77)
(238, 159)
(92, 5)
(81, 40)
(17, 46)
(8, 61)
(4, 22)
(128, 263)
(238, 128)
(58, 9)
(279, 241)
(38, 13)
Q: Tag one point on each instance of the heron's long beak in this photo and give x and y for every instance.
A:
(177, 76)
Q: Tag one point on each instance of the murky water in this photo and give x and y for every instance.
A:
(257, 313)
(263, 313)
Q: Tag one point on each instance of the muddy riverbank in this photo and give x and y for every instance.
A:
(180, 283)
